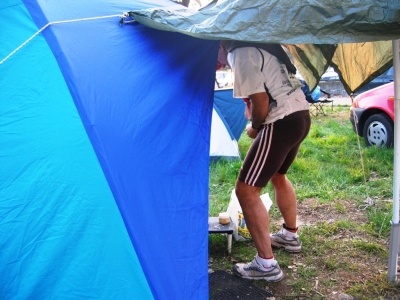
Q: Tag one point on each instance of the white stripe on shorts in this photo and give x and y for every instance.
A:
(261, 155)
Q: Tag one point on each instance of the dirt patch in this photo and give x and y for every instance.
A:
(310, 212)
(339, 270)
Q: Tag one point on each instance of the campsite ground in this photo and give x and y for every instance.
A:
(345, 238)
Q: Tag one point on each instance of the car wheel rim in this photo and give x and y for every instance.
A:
(377, 134)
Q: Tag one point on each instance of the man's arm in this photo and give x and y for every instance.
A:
(259, 111)
(259, 108)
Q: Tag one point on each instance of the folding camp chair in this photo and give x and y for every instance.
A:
(317, 106)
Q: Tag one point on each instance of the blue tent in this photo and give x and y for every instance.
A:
(104, 154)
(232, 110)
(228, 123)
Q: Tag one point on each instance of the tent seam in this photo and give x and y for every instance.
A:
(53, 23)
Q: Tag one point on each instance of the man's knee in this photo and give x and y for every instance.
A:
(240, 189)
(278, 179)
(245, 191)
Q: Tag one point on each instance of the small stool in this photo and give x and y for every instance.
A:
(317, 107)
(215, 227)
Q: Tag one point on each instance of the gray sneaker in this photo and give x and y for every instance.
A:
(280, 240)
(253, 270)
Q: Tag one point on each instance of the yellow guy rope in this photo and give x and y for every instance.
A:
(368, 202)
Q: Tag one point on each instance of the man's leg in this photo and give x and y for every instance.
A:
(256, 216)
(285, 198)
(263, 266)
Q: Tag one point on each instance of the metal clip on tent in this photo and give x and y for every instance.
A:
(123, 20)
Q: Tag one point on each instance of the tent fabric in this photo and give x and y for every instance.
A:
(227, 125)
(353, 62)
(56, 210)
(232, 110)
(103, 161)
(311, 29)
(222, 142)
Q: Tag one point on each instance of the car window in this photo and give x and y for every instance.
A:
(390, 72)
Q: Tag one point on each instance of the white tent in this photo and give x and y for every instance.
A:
(227, 125)
(222, 144)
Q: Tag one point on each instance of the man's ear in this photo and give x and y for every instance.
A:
(222, 55)
(224, 42)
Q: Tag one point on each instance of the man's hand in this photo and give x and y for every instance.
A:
(251, 132)
(259, 108)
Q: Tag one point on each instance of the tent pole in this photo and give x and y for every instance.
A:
(395, 229)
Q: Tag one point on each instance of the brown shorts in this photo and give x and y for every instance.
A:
(275, 148)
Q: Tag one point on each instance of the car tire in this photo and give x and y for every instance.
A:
(378, 131)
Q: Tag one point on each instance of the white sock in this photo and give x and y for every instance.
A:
(266, 263)
(289, 233)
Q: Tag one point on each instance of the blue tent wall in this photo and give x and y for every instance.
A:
(104, 153)
(62, 237)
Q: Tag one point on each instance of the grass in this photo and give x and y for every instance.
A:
(345, 239)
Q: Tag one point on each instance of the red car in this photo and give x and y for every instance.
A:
(372, 115)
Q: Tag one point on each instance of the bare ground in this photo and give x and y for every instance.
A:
(339, 265)
(361, 271)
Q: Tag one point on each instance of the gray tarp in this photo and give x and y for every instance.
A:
(319, 33)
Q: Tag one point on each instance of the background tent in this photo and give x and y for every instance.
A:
(228, 123)
(104, 154)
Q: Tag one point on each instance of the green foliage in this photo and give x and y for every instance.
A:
(223, 175)
(380, 218)
(368, 246)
